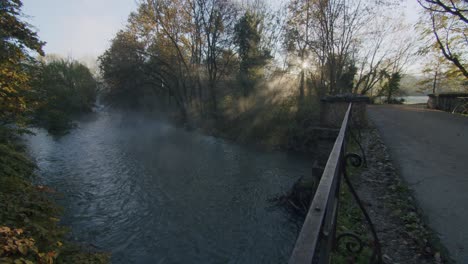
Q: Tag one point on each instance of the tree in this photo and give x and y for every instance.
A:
(392, 86)
(324, 35)
(183, 48)
(383, 44)
(440, 75)
(17, 42)
(252, 57)
(121, 68)
(298, 38)
(449, 26)
(455, 8)
(218, 22)
(63, 88)
(434, 71)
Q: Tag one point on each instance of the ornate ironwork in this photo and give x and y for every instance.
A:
(355, 246)
(355, 160)
(357, 139)
(318, 234)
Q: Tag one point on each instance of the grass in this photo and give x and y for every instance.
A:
(282, 124)
(351, 220)
(404, 207)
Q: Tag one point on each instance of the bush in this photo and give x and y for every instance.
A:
(29, 229)
(394, 101)
(64, 88)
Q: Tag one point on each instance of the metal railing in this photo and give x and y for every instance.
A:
(318, 237)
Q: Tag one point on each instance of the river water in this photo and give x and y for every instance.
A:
(151, 193)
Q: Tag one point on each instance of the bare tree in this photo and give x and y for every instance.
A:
(385, 48)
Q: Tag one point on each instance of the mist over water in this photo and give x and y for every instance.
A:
(151, 193)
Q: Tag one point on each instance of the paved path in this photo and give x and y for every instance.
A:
(430, 148)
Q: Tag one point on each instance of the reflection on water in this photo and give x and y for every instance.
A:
(151, 193)
(412, 99)
(416, 99)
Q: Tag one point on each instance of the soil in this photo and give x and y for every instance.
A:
(403, 235)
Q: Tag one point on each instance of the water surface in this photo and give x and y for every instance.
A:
(410, 99)
(151, 193)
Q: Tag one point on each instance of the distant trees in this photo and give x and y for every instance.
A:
(391, 86)
(193, 54)
(186, 47)
(440, 75)
(345, 46)
(386, 47)
(62, 88)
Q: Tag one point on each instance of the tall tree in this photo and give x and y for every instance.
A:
(184, 46)
(251, 55)
(298, 38)
(324, 34)
(121, 67)
(17, 42)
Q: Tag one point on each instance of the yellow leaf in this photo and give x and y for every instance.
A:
(4, 229)
(23, 249)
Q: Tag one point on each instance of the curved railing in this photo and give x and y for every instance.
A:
(318, 237)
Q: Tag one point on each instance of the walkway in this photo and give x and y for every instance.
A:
(430, 148)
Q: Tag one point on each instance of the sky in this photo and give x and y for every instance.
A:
(82, 29)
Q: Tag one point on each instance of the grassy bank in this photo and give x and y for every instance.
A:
(29, 219)
(402, 231)
(282, 124)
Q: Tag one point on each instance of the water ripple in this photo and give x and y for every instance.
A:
(151, 193)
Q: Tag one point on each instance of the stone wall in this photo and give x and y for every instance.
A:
(333, 110)
(446, 101)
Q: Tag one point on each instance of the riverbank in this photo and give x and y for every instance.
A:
(283, 124)
(30, 231)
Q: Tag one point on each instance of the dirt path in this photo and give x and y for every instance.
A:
(430, 149)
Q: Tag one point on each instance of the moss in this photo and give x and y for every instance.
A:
(415, 228)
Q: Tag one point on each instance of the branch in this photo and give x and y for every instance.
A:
(453, 9)
(447, 54)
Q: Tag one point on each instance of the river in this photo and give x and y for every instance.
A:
(151, 193)
(411, 99)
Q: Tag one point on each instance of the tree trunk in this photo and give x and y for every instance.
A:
(301, 86)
